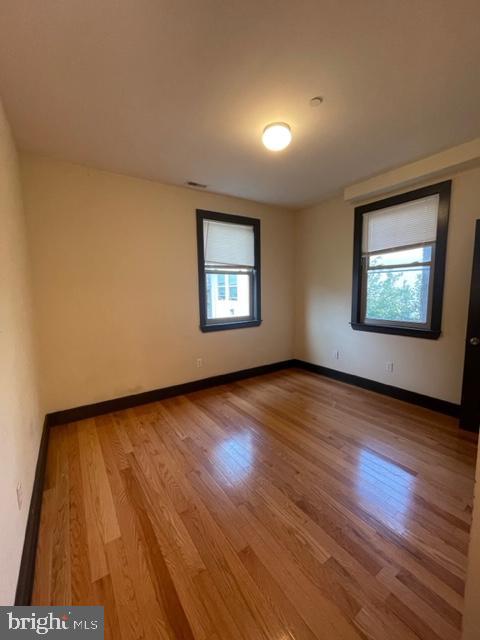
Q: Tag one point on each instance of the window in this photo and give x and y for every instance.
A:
(399, 263)
(228, 270)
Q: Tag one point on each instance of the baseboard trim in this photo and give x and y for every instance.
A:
(435, 404)
(26, 574)
(126, 402)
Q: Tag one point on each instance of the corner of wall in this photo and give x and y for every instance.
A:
(21, 425)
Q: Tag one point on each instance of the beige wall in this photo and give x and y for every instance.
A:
(324, 242)
(471, 617)
(20, 419)
(115, 279)
(114, 263)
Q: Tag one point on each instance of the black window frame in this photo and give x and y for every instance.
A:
(255, 319)
(433, 332)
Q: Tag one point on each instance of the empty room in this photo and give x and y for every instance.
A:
(240, 319)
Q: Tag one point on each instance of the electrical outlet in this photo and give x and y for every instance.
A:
(336, 354)
(199, 363)
(389, 367)
(19, 496)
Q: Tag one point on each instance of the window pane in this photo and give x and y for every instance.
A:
(398, 294)
(238, 304)
(405, 256)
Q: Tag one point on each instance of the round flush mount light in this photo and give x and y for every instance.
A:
(277, 136)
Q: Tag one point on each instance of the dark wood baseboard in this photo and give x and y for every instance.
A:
(468, 422)
(435, 404)
(126, 402)
(23, 594)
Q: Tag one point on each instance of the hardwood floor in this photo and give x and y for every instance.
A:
(284, 507)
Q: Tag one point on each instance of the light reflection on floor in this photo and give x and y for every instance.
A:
(235, 456)
(385, 490)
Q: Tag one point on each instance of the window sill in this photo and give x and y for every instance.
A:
(428, 334)
(223, 326)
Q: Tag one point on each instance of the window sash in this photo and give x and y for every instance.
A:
(366, 268)
(227, 269)
(405, 247)
(405, 264)
(226, 272)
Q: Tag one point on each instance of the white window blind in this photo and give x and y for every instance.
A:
(228, 244)
(413, 222)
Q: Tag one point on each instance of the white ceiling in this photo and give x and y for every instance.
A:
(180, 90)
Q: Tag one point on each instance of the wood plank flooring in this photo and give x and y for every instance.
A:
(283, 507)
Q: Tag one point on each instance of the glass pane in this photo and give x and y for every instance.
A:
(398, 294)
(238, 303)
(405, 256)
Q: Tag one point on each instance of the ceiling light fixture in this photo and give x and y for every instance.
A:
(276, 136)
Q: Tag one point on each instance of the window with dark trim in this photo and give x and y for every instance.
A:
(228, 270)
(399, 254)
